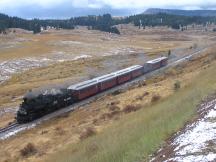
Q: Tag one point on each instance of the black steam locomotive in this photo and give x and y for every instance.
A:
(36, 105)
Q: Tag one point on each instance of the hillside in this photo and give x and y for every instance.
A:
(203, 13)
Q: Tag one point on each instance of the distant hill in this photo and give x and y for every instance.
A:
(203, 13)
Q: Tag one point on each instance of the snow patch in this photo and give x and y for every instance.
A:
(8, 68)
(192, 144)
(4, 111)
(122, 51)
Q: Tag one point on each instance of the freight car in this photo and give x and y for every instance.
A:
(36, 106)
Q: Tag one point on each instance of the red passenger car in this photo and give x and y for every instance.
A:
(136, 71)
(84, 89)
(123, 76)
(164, 61)
(106, 81)
(156, 63)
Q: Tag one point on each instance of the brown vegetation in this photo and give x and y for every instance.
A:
(59, 131)
(90, 131)
(131, 108)
(155, 98)
(140, 97)
(177, 85)
(28, 150)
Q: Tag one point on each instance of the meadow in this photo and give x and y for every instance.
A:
(137, 135)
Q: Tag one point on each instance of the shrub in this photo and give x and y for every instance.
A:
(142, 83)
(59, 131)
(113, 103)
(117, 92)
(44, 131)
(131, 108)
(110, 115)
(169, 53)
(114, 108)
(177, 85)
(87, 133)
(142, 96)
(155, 98)
(28, 150)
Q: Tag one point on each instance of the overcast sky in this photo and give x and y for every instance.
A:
(71, 8)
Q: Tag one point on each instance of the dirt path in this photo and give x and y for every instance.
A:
(197, 141)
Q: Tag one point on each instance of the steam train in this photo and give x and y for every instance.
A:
(37, 105)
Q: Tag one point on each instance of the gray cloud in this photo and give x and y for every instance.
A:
(71, 8)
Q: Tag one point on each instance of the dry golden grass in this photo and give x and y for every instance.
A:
(95, 43)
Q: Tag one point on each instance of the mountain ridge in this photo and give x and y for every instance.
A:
(203, 13)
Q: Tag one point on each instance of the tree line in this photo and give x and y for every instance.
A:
(103, 22)
(163, 19)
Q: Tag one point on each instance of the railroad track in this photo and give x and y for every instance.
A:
(15, 127)
(9, 127)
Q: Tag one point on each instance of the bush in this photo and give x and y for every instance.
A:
(28, 150)
(132, 108)
(155, 98)
(114, 108)
(117, 92)
(87, 133)
(59, 131)
(177, 85)
(169, 53)
(110, 115)
(142, 96)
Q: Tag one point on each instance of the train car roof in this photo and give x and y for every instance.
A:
(156, 60)
(127, 70)
(105, 77)
(82, 85)
(135, 67)
(123, 71)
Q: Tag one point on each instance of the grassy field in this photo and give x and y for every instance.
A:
(137, 135)
(83, 41)
(112, 114)
(109, 123)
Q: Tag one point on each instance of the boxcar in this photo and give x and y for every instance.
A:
(84, 89)
(106, 81)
